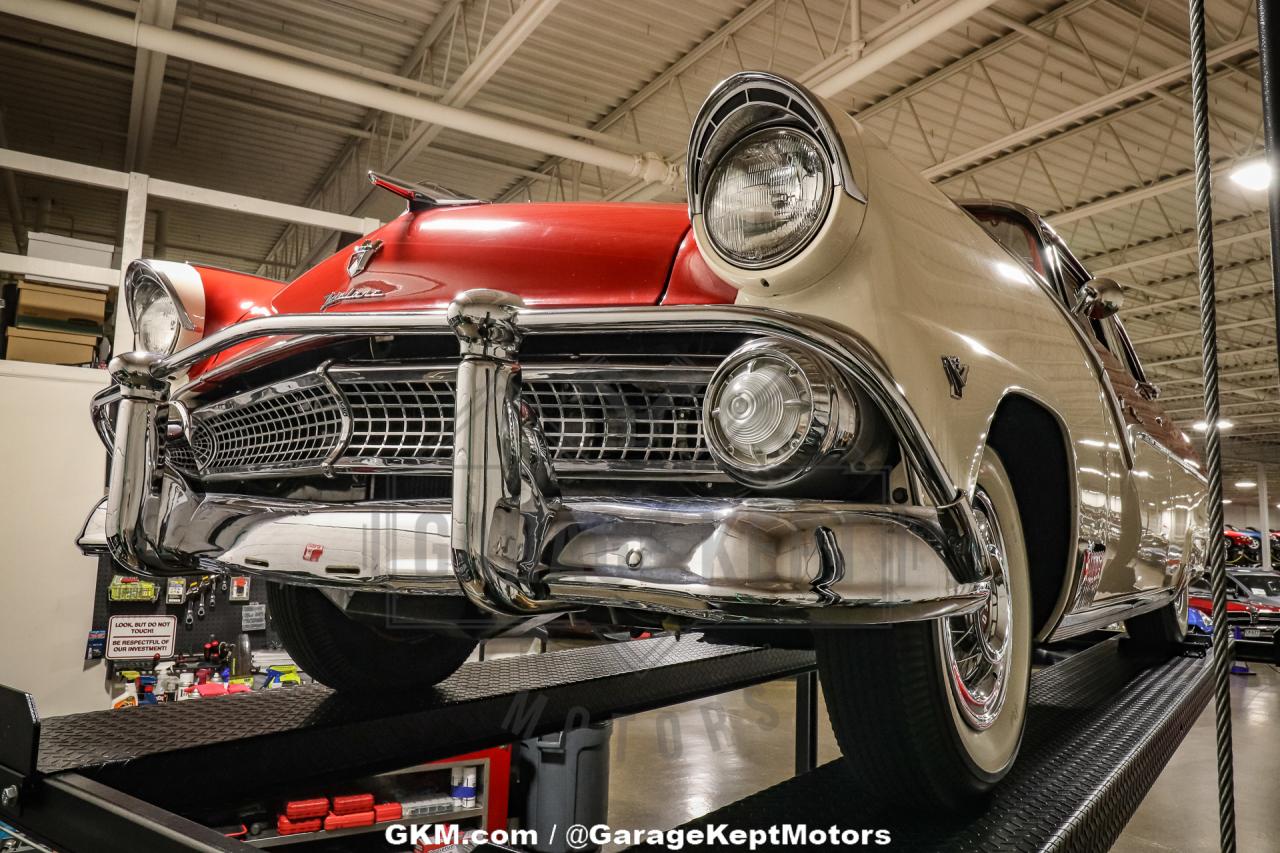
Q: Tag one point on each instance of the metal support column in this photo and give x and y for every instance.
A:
(806, 722)
(1269, 71)
(135, 226)
(1264, 517)
(1212, 412)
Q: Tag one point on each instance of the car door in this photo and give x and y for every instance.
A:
(1141, 481)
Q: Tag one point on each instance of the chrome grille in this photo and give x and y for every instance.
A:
(627, 419)
(180, 453)
(293, 425)
(398, 421)
(647, 420)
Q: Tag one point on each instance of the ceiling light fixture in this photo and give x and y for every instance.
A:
(1203, 426)
(1252, 175)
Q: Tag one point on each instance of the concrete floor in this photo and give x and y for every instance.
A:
(1181, 810)
(672, 765)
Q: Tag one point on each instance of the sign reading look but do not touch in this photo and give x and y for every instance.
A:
(140, 637)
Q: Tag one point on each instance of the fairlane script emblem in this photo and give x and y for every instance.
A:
(347, 295)
(957, 374)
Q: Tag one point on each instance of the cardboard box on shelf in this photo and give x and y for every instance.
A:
(60, 308)
(56, 247)
(49, 347)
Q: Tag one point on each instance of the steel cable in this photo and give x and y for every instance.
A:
(1222, 653)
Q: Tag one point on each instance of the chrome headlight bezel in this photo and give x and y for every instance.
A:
(745, 104)
(180, 287)
(798, 240)
(827, 426)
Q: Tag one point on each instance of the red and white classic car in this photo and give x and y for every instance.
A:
(822, 397)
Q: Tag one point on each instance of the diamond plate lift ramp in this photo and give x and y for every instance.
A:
(1101, 726)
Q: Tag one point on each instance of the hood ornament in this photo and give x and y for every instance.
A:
(356, 264)
(361, 255)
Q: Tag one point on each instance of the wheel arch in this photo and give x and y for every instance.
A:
(1034, 446)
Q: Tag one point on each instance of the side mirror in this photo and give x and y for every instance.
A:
(1099, 298)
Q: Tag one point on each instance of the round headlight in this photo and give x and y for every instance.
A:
(157, 321)
(773, 410)
(767, 197)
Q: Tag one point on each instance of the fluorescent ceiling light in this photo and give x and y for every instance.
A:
(1246, 484)
(1253, 175)
(1202, 426)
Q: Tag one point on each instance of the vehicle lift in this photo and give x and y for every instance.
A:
(1102, 724)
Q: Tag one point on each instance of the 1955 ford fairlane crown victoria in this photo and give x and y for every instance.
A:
(822, 398)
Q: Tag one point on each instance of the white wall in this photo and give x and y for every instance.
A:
(51, 473)
(1243, 514)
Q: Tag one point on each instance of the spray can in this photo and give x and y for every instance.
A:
(455, 786)
(469, 788)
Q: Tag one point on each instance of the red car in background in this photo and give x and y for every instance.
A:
(1242, 549)
(1253, 605)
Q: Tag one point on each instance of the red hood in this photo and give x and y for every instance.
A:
(552, 255)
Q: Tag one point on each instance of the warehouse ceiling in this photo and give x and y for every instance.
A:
(1078, 109)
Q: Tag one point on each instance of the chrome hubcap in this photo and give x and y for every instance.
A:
(978, 645)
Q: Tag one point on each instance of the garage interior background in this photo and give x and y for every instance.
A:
(1078, 109)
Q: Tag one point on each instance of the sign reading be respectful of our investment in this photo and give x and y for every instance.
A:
(140, 637)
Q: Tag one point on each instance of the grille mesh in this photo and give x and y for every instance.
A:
(634, 422)
(294, 428)
(400, 421)
(643, 421)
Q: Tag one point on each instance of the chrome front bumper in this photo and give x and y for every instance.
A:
(508, 540)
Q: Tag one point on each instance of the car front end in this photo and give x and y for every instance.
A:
(540, 460)
(422, 430)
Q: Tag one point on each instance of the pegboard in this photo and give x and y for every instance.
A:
(221, 621)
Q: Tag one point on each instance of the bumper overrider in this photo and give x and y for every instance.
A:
(507, 539)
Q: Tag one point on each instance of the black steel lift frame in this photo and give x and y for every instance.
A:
(1102, 724)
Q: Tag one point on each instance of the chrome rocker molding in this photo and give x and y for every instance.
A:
(516, 547)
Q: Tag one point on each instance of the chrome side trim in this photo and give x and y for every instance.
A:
(1102, 615)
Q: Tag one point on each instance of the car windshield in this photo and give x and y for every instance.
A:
(1261, 584)
(1011, 231)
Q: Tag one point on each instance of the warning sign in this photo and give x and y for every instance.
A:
(140, 637)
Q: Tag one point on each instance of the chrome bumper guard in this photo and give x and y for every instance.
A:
(507, 539)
